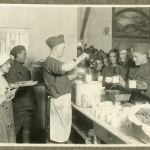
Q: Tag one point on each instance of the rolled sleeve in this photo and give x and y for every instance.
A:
(55, 67)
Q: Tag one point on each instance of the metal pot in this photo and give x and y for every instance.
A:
(88, 94)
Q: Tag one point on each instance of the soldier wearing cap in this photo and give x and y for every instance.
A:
(58, 87)
(140, 73)
(24, 101)
(125, 63)
(109, 70)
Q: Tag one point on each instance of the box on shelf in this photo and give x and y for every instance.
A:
(37, 72)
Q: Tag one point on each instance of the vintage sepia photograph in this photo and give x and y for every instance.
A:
(74, 75)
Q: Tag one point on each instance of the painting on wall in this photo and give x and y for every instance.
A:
(131, 22)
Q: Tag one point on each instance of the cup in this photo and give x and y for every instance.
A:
(132, 84)
(123, 116)
(88, 77)
(108, 79)
(115, 79)
(100, 78)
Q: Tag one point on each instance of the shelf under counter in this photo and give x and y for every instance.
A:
(81, 131)
(110, 135)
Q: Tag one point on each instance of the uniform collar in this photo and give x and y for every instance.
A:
(17, 62)
(125, 62)
(144, 65)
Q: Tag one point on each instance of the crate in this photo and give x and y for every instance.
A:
(116, 95)
(37, 73)
(140, 134)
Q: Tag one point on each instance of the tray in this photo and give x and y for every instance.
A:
(117, 95)
(26, 83)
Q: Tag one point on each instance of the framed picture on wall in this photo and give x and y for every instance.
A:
(131, 22)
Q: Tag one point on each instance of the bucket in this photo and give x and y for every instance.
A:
(88, 93)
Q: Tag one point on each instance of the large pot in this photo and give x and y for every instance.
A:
(88, 93)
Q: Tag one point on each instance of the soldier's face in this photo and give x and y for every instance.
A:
(99, 64)
(123, 55)
(61, 50)
(113, 58)
(106, 61)
(22, 56)
(138, 58)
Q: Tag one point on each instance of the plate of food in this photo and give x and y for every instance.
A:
(26, 83)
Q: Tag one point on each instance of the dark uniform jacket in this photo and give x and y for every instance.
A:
(123, 69)
(24, 98)
(108, 71)
(141, 73)
(56, 81)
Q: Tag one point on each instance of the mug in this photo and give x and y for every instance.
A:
(100, 78)
(88, 77)
(132, 84)
(108, 79)
(115, 79)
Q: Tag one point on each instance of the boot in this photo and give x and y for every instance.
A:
(26, 136)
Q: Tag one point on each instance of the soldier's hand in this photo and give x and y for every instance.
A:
(83, 56)
(81, 75)
(13, 86)
(121, 81)
(142, 85)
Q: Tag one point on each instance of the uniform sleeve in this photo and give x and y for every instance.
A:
(103, 72)
(55, 67)
(2, 94)
(129, 78)
(146, 93)
(11, 77)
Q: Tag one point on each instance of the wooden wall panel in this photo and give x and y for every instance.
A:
(8, 43)
(2, 42)
(45, 31)
(17, 40)
(42, 23)
(12, 40)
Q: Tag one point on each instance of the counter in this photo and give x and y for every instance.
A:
(110, 135)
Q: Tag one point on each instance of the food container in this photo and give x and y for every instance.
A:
(88, 93)
(37, 72)
(116, 95)
(139, 133)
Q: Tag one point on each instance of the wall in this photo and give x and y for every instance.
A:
(99, 18)
(42, 22)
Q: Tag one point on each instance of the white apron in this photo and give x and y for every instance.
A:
(60, 118)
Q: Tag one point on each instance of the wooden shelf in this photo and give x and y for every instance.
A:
(81, 131)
